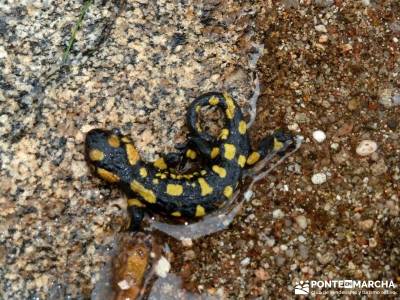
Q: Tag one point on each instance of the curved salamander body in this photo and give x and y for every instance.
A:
(159, 186)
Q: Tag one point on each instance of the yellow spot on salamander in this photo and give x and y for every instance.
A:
(204, 187)
(163, 176)
(174, 189)
(228, 191)
(96, 155)
(278, 145)
(213, 100)
(107, 175)
(176, 214)
(132, 153)
(197, 108)
(200, 211)
(230, 111)
(203, 172)
(230, 151)
(242, 127)
(214, 152)
(224, 134)
(126, 140)
(219, 170)
(253, 158)
(156, 181)
(173, 176)
(191, 154)
(143, 172)
(135, 202)
(160, 164)
(113, 141)
(147, 195)
(242, 160)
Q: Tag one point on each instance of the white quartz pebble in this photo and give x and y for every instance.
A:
(162, 267)
(319, 136)
(318, 178)
(366, 147)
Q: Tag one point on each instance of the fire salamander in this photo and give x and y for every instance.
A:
(159, 187)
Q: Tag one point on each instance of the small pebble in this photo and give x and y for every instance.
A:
(303, 251)
(335, 146)
(278, 214)
(353, 104)
(245, 261)
(318, 178)
(162, 267)
(189, 255)
(261, 274)
(319, 136)
(366, 225)
(366, 147)
(187, 242)
(301, 239)
(280, 260)
(372, 243)
(323, 38)
(325, 258)
(301, 221)
(321, 28)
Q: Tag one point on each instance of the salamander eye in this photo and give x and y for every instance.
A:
(116, 131)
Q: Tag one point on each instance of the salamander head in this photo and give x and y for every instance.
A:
(110, 153)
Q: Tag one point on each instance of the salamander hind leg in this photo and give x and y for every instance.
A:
(278, 142)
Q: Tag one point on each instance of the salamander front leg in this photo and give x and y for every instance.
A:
(136, 214)
(278, 142)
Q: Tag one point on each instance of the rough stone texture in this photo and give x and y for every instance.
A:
(137, 65)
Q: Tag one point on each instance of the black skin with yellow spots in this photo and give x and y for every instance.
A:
(159, 187)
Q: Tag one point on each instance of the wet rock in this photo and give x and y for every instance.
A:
(366, 147)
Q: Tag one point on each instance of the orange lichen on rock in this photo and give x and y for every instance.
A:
(129, 268)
